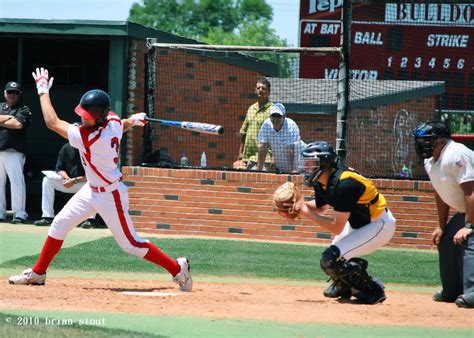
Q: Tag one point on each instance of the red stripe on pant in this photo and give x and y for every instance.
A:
(154, 254)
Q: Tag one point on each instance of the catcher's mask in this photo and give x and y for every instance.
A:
(94, 105)
(318, 157)
(427, 136)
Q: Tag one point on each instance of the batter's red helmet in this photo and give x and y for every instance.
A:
(93, 98)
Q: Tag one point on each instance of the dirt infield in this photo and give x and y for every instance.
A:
(217, 300)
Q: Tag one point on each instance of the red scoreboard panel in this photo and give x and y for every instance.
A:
(388, 43)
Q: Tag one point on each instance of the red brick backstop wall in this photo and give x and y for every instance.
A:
(238, 205)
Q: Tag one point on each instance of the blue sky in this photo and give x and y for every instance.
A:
(285, 12)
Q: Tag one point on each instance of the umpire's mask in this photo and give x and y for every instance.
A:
(427, 136)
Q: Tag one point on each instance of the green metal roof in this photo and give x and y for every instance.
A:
(125, 29)
(87, 27)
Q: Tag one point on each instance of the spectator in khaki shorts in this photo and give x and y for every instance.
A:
(256, 114)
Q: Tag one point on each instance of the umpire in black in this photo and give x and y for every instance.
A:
(14, 118)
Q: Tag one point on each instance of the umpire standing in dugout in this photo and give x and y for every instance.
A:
(450, 166)
(14, 119)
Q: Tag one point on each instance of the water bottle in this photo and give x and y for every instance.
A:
(184, 160)
(203, 160)
(404, 172)
(410, 170)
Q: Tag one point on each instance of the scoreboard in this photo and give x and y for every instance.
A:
(396, 41)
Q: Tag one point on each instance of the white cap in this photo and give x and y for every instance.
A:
(277, 109)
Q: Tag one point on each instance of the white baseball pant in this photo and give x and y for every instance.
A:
(111, 203)
(363, 241)
(11, 166)
(47, 198)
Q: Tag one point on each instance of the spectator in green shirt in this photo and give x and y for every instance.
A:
(256, 114)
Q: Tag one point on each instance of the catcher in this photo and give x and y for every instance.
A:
(360, 222)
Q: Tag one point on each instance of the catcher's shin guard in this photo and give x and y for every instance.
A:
(336, 269)
(354, 274)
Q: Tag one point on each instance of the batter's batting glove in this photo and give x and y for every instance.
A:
(43, 82)
(139, 119)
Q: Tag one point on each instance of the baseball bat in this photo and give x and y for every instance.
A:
(206, 128)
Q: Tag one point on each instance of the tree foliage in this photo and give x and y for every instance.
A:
(223, 22)
(197, 18)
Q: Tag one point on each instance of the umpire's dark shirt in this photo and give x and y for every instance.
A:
(14, 138)
(69, 161)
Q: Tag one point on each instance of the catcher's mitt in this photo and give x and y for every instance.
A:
(286, 193)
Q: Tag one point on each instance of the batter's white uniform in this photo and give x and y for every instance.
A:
(104, 193)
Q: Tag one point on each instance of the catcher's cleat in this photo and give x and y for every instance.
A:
(374, 296)
(338, 289)
(28, 277)
(183, 278)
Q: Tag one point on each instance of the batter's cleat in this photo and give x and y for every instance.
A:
(338, 289)
(28, 277)
(183, 278)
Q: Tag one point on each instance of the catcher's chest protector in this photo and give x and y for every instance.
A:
(330, 191)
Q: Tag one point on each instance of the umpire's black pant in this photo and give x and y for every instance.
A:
(451, 259)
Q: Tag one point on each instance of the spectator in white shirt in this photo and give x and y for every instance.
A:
(282, 135)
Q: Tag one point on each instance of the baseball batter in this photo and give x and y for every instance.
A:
(98, 140)
(360, 220)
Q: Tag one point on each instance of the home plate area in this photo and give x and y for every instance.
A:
(250, 299)
(150, 294)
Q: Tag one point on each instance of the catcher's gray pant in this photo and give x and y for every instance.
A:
(451, 259)
(363, 241)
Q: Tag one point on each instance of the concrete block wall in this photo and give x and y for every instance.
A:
(234, 204)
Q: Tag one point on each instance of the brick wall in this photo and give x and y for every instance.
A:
(238, 205)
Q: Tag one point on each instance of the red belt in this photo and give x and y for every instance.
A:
(97, 189)
(107, 188)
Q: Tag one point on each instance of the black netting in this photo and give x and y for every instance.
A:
(408, 62)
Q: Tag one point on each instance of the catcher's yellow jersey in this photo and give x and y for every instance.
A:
(348, 191)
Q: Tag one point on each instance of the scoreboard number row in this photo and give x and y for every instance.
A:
(432, 62)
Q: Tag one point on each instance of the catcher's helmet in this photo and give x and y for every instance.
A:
(426, 136)
(325, 157)
(94, 104)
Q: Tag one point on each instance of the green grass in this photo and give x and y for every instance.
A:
(122, 324)
(58, 326)
(241, 258)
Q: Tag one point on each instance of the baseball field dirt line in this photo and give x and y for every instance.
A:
(230, 301)
(162, 276)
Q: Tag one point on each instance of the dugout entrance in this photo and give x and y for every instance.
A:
(77, 65)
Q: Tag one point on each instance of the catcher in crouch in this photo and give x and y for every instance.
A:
(360, 222)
